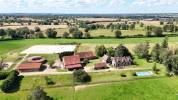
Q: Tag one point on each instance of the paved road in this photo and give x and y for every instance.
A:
(91, 71)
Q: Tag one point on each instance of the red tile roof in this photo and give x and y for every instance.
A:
(71, 62)
(88, 54)
(29, 66)
(100, 65)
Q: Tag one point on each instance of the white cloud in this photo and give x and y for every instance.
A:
(155, 2)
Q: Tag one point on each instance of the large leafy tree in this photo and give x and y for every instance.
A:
(164, 43)
(142, 50)
(39, 94)
(51, 33)
(155, 53)
(100, 50)
(81, 76)
(122, 51)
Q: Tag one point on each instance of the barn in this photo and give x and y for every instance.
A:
(29, 67)
(86, 55)
(101, 65)
(72, 62)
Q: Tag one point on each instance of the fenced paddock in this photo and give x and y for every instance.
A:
(49, 49)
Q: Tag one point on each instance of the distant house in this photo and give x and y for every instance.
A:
(121, 62)
(29, 67)
(101, 65)
(86, 55)
(72, 62)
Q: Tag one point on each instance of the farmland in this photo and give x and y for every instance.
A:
(116, 81)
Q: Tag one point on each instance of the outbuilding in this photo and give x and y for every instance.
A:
(101, 65)
(29, 67)
(72, 62)
(86, 55)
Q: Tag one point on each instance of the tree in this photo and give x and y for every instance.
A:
(110, 52)
(2, 32)
(51, 33)
(66, 35)
(100, 50)
(161, 23)
(155, 69)
(155, 53)
(148, 33)
(122, 51)
(39, 94)
(87, 35)
(158, 31)
(164, 43)
(37, 29)
(87, 30)
(141, 24)
(77, 34)
(73, 29)
(142, 50)
(10, 82)
(118, 34)
(39, 34)
(81, 76)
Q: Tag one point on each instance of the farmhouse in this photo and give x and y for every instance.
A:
(29, 67)
(72, 62)
(86, 55)
(101, 65)
(121, 62)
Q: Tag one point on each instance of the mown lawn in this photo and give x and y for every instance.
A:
(58, 93)
(19, 45)
(147, 89)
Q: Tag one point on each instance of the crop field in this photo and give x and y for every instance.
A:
(42, 27)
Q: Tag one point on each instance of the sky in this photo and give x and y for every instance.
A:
(89, 6)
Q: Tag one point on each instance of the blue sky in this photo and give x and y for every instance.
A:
(89, 6)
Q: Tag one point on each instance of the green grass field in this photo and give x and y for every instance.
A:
(19, 45)
(147, 89)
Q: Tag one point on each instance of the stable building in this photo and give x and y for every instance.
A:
(101, 65)
(86, 55)
(29, 67)
(72, 62)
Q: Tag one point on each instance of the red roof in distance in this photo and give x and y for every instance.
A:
(88, 54)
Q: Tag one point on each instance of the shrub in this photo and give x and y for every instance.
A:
(49, 81)
(100, 50)
(37, 29)
(51, 33)
(39, 94)
(123, 75)
(81, 76)
(39, 35)
(66, 35)
(118, 34)
(3, 75)
(10, 82)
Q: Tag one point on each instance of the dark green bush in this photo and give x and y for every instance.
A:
(3, 75)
